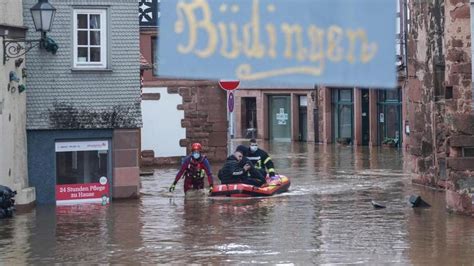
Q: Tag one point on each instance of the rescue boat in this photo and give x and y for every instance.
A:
(275, 185)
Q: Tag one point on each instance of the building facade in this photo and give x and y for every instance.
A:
(439, 94)
(13, 159)
(355, 116)
(176, 112)
(83, 103)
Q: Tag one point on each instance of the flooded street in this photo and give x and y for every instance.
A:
(326, 217)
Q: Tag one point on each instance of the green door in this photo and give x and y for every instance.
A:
(280, 117)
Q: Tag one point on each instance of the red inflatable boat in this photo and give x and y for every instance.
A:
(277, 185)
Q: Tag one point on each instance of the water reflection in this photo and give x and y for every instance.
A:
(326, 217)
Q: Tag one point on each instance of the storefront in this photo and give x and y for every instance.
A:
(71, 166)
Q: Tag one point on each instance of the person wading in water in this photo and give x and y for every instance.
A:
(194, 167)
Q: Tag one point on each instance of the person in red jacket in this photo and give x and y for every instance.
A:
(193, 169)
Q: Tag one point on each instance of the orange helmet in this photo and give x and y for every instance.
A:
(196, 147)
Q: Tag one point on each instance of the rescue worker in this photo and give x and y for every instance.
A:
(239, 169)
(260, 159)
(193, 168)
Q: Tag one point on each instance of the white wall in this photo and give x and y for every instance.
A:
(13, 159)
(162, 129)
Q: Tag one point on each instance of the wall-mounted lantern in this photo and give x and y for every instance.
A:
(43, 15)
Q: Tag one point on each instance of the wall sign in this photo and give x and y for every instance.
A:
(82, 146)
(282, 117)
(83, 193)
(148, 13)
(280, 43)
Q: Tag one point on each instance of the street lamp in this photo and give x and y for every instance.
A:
(43, 15)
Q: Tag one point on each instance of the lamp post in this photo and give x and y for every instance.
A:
(43, 15)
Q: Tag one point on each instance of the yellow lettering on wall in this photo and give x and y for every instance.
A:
(251, 34)
(291, 32)
(316, 50)
(194, 25)
(182, 10)
(233, 39)
(368, 51)
(353, 36)
(272, 40)
(335, 51)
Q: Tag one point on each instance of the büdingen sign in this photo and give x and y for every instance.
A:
(284, 43)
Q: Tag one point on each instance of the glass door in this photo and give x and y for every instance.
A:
(390, 120)
(280, 117)
(343, 112)
(303, 118)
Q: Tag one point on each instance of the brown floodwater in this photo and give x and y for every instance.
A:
(325, 218)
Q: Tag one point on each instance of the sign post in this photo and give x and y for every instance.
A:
(230, 86)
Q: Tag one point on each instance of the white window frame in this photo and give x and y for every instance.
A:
(103, 39)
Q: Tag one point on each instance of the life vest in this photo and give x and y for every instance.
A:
(195, 168)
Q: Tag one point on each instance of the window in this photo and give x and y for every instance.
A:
(90, 38)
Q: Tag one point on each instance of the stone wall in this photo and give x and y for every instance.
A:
(424, 88)
(439, 98)
(459, 116)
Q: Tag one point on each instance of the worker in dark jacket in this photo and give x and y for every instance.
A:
(238, 169)
(260, 159)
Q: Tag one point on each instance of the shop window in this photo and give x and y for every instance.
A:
(82, 171)
(79, 167)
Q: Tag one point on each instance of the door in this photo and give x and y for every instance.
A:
(249, 117)
(390, 118)
(343, 111)
(280, 117)
(365, 117)
(303, 118)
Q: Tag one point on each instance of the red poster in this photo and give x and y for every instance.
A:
(83, 193)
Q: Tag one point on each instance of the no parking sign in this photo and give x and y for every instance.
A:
(230, 86)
